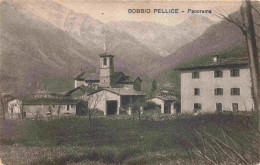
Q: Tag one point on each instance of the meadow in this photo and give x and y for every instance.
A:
(157, 138)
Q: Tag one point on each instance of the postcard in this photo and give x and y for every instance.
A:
(129, 82)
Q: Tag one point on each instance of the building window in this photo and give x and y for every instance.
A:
(235, 91)
(218, 91)
(219, 106)
(218, 73)
(235, 106)
(53, 106)
(105, 61)
(234, 73)
(195, 75)
(196, 91)
(111, 61)
(197, 106)
(71, 106)
(68, 107)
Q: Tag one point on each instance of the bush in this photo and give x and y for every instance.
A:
(151, 106)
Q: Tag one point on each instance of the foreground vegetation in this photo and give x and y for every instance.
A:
(183, 139)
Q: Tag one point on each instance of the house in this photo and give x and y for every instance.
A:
(166, 103)
(115, 100)
(41, 108)
(216, 84)
(110, 91)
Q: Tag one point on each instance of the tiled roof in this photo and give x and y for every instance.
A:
(130, 80)
(122, 91)
(222, 63)
(166, 98)
(82, 90)
(106, 55)
(235, 57)
(125, 91)
(48, 101)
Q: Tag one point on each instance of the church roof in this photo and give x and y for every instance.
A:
(80, 91)
(86, 76)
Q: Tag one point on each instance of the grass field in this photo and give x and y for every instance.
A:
(120, 140)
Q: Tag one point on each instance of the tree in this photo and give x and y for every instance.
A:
(154, 85)
(3, 106)
(153, 88)
(247, 26)
(91, 104)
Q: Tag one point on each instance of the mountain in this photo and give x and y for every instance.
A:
(130, 53)
(217, 37)
(32, 48)
(162, 39)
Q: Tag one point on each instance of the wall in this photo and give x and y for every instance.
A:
(98, 100)
(130, 86)
(79, 83)
(33, 111)
(106, 72)
(207, 83)
(14, 106)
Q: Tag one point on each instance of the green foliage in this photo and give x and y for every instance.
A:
(58, 84)
(154, 85)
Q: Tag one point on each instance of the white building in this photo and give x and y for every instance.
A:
(166, 103)
(116, 100)
(41, 108)
(216, 85)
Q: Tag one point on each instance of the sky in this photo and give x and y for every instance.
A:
(107, 11)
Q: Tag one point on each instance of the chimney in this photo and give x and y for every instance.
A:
(216, 58)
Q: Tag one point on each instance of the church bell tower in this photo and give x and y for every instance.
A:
(106, 69)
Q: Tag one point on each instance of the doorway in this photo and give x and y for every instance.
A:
(111, 107)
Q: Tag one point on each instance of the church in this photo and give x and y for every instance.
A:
(111, 92)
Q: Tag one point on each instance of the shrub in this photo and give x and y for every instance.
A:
(151, 106)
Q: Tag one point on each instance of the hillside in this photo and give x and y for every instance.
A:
(32, 48)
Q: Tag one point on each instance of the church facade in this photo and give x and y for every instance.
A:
(111, 92)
